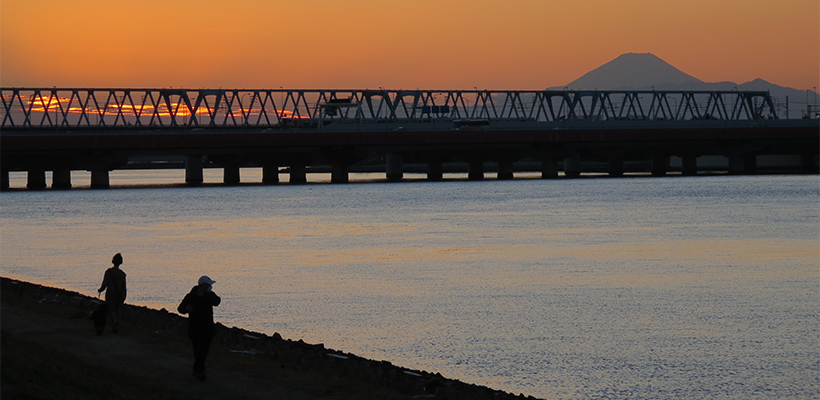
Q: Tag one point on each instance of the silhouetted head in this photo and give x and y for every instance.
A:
(117, 260)
(205, 280)
(205, 285)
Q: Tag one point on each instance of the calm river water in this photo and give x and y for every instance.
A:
(678, 287)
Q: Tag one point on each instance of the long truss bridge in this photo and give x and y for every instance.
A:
(99, 130)
(160, 108)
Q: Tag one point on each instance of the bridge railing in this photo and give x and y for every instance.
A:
(58, 108)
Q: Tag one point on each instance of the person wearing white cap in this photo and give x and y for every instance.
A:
(199, 305)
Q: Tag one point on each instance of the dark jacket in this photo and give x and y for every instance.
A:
(114, 285)
(200, 313)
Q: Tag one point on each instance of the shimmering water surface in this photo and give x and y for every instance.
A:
(700, 287)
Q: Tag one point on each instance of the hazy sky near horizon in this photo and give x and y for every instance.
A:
(432, 44)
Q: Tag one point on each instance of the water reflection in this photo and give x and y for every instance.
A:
(619, 288)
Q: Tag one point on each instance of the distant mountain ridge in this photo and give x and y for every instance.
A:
(645, 71)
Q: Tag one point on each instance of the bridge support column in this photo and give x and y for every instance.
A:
(549, 169)
(298, 174)
(193, 170)
(394, 166)
(36, 179)
(338, 173)
(660, 164)
(4, 178)
(230, 175)
(616, 167)
(807, 165)
(736, 165)
(690, 165)
(61, 179)
(739, 165)
(99, 179)
(572, 166)
(435, 172)
(475, 171)
(505, 170)
(751, 164)
(270, 174)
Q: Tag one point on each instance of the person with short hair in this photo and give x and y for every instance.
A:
(115, 291)
(199, 305)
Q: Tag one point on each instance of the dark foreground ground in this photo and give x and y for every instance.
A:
(50, 351)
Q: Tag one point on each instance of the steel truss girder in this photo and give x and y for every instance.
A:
(189, 108)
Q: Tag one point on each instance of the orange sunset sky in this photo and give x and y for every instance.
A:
(431, 44)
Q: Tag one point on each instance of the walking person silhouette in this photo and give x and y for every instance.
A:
(115, 290)
(199, 305)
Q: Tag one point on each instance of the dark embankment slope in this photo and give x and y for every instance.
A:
(50, 351)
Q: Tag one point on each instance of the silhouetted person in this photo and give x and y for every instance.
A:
(114, 285)
(199, 305)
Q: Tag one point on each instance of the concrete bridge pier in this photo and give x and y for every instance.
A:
(270, 174)
(751, 164)
(338, 173)
(230, 174)
(475, 171)
(435, 171)
(99, 179)
(394, 166)
(689, 165)
(100, 164)
(36, 179)
(298, 173)
(61, 179)
(808, 165)
(616, 166)
(505, 170)
(193, 170)
(660, 165)
(572, 166)
(231, 164)
(340, 158)
(549, 169)
(742, 164)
